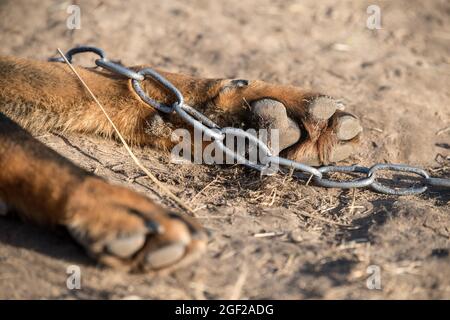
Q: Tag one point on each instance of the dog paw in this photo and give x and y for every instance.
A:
(316, 131)
(125, 230)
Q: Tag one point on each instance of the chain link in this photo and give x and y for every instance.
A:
(212, 130)
(359, 183)
(69, 55)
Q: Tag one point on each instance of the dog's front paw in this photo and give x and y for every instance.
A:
(313, 128)
(319, 133)
(125, 230)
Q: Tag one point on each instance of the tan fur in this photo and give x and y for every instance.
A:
(49, 190)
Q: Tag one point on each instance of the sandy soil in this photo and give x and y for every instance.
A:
(395, 79)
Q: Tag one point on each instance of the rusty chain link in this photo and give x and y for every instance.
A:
(212, 130)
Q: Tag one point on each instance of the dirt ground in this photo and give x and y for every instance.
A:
(395, 79)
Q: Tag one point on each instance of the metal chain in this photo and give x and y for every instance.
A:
(212, 130)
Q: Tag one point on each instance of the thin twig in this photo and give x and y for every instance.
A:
(309, 180)
(268, 234)
(203, 190)
(352, 206)
(442, 131)
(130, 152)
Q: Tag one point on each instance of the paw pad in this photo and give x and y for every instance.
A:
(271, 114)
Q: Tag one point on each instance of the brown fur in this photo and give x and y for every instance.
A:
(47, 189)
